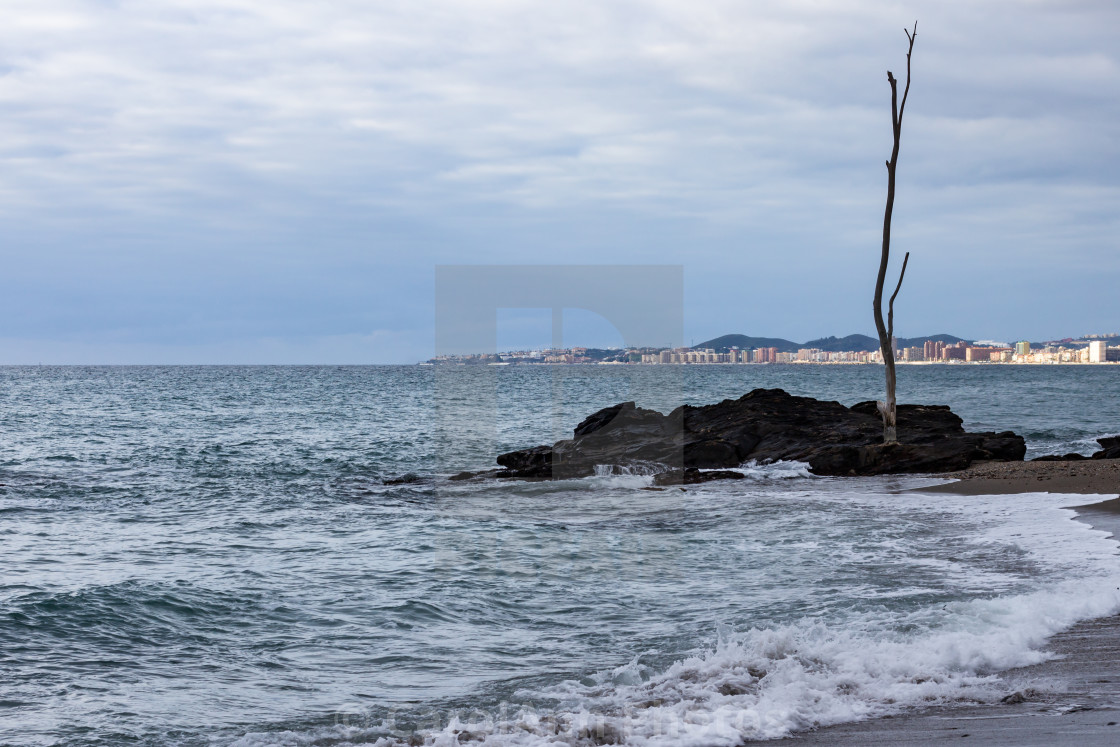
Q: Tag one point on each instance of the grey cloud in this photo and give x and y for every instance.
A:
(348, 133)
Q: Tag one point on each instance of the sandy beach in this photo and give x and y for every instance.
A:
(1088, 477)
(1073, 699)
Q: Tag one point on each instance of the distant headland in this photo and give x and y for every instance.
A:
(853, 349)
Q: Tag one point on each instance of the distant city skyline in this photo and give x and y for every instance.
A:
(1096, 348)
(276, 182)
(541, 341)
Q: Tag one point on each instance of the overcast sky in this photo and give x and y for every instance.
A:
(275, 181)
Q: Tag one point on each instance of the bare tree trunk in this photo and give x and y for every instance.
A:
(888, 408)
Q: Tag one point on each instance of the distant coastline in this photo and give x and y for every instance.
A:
(853, 349)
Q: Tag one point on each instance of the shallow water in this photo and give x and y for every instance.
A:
(208, 555)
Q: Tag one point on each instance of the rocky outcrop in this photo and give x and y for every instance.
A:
(764, 425)
(1110, 448)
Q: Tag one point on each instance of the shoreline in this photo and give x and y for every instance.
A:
(1081, 477)
(1065, 702)
(1068, 701)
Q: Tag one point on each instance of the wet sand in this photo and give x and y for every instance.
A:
(1071, 700)
(1089, 477)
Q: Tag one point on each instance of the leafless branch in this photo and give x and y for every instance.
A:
(897, 288)
(885, 328)
(906, 92)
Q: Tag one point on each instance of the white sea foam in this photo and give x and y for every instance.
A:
(752, 470)
(768, 683)
(642, 469)
(780, 470)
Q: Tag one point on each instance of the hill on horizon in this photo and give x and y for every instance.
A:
(831, 344)
(743, 342)
(909, 342)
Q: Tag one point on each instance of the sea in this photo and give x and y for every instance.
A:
(224, 555)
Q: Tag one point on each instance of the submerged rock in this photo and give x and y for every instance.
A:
(694, 476)
(764, 425)
(409, 478)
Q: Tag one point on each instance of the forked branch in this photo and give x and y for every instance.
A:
(890, 304)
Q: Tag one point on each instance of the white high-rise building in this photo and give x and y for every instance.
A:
(1098, 351)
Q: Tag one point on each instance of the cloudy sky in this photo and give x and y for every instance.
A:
(275, 181)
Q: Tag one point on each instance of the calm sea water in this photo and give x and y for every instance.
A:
(209, 555)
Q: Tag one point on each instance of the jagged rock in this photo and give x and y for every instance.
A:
(534, 462)
(1110, 448)
(765, 425)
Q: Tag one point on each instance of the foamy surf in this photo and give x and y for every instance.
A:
(752, 470)
(770, 682)
(767, 684)
(780, 470)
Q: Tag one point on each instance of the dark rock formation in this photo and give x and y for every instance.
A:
(764, 425)
(534, 462)
(694, 476)
(1110, 448)
(408, 478)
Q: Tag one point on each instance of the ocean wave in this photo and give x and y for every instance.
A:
(769, 682)
(129, 614)
(766, 683)
(1085, 446)
(1066, 441)
(780, 470)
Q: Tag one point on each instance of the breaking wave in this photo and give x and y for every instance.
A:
(770, 682)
